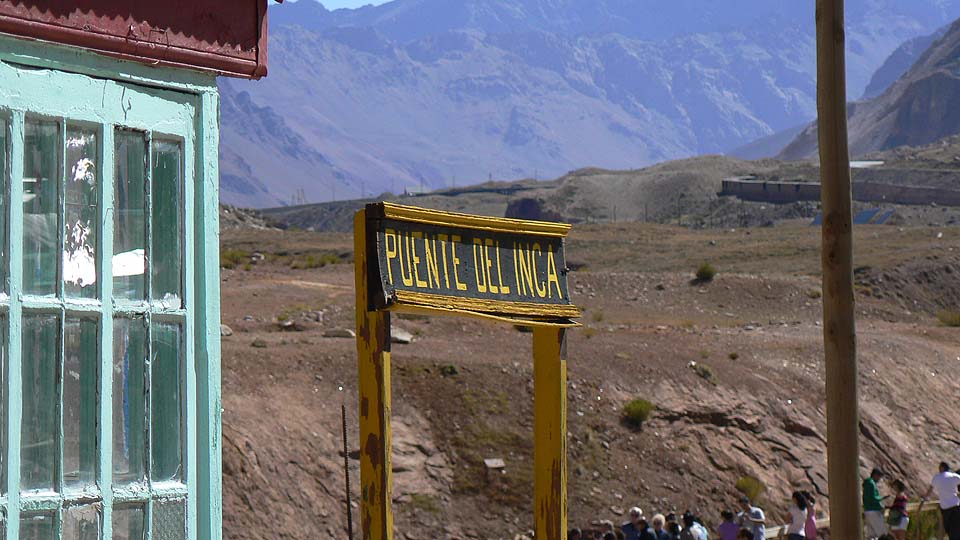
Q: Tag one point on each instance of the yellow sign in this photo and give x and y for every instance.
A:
(411, 259)
(468, 264)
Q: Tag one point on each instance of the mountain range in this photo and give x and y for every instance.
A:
(422, 94)
(916, 110)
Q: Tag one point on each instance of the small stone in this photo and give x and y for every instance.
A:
(259, 344)
(225, 330)
(339, 333)
(399, 335)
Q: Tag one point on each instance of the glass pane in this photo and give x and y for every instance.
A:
(168, 520)
(82, 214)
(80, 377)
(166, 399)
(81, 522)
(167, 225)
(38, 431)
(128, 522)
(129, 400)
(129, 213)
(4, 156)
(41, 175)
(37, 527)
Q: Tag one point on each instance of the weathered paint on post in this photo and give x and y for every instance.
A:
(206, 224)
(377, 233)
(550, 433)
(373, 372)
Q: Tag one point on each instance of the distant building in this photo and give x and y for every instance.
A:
(109, 280)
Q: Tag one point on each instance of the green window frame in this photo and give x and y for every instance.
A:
(109, 365)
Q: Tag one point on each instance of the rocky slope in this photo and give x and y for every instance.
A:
(916, 110)
(433, 93)
(734, 368)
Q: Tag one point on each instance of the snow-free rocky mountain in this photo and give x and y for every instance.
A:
(429, 93)
(916, 110)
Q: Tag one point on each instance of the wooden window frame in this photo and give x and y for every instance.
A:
(166, 104)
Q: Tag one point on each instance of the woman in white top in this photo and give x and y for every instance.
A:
(798, 517)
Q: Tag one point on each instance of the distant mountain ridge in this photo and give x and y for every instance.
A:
(916, 110)
(436, 92)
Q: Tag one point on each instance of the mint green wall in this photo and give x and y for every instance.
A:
(82, 86)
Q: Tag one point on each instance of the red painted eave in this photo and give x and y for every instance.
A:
(226, 37)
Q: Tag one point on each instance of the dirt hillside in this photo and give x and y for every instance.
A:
(734, 368)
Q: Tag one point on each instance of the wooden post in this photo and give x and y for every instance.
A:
(373, 372)
(550, 434)
(839, 331)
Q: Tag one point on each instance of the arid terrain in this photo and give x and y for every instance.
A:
(734, 368)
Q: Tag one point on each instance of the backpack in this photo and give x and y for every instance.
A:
(894, 517)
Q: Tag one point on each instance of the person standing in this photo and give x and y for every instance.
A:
(946, 484)
(646, 531)
(690, 529)
(897, 518)
(752, 518)
(810, 529)
(659, 522)
(796, 530)
(728, 529)
(873, 506)
(631, 529)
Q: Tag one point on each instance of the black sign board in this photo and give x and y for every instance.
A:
(455, 262)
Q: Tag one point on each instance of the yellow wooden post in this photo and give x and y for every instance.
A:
(373, 371)
(550, 434)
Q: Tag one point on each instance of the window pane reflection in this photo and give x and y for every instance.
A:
(167, 229)
(82, 214)
(81, 522)
(129, 522)
(41, 175)
(80, 362)
(37, 527)
(129, 400)
(38, 431)
(129, 221)
(166, 399)
(169, 520)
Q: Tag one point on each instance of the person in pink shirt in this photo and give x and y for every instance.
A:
(810, 528)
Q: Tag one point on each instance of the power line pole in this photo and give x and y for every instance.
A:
(839, 328)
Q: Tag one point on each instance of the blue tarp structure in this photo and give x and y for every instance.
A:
(864, 217)
(883, 217)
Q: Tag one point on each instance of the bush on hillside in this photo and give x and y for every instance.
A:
(750, 486)
(706, 272)
(949, 318)
(636, 412)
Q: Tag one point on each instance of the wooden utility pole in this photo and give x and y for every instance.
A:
(839, 330)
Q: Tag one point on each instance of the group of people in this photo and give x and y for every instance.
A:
(882, 521)
(945, 483)
(749, 524)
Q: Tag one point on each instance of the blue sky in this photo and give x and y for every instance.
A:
(335, 4)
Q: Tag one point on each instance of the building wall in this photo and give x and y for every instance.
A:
(789, 192)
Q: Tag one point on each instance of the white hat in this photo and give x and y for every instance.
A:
(636, 511)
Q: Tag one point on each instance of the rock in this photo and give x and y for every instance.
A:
(259, 344)
(339, 333)
(616, 510)
(225, 330)
(399, 335)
